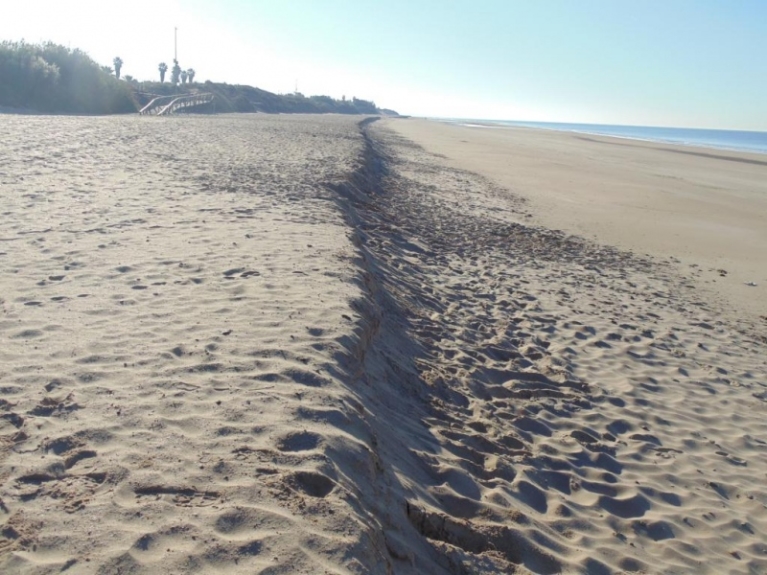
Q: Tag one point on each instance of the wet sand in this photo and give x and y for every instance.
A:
(296, 344)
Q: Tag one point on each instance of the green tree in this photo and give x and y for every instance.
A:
(118, 63)
(163, 67)
(184, 76)
(190, 73)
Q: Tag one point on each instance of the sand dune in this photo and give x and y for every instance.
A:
(261, 344)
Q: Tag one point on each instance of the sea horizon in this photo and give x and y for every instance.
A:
(753, 141)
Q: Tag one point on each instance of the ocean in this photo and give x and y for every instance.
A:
(739, 140)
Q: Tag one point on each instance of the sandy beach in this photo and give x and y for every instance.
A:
(702, 207)
(314, 344)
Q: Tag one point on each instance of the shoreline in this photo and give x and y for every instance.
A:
(501, 124)
(707, 211)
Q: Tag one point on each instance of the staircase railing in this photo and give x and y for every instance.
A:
(165, 105)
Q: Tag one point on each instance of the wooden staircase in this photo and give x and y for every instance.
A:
(166, 105)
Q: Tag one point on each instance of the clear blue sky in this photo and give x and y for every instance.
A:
(698, 63)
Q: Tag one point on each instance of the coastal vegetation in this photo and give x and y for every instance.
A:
(229, 98)
(56, 79)
(50, 78)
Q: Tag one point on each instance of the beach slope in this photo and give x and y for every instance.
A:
(703, 208)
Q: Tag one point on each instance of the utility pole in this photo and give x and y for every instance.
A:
(175, 44)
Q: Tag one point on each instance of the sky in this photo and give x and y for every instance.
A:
(682, 63)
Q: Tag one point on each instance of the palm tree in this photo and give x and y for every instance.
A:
(190, 72)
(175, 73)
(118, 65)
(163, 67)
(184, 76)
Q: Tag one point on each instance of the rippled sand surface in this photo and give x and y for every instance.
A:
(305, 344)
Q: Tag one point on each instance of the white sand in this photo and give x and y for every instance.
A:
(254, 344)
